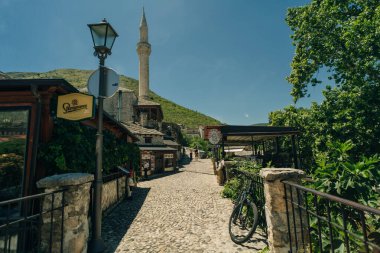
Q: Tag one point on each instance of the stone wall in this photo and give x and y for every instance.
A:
(128, 99)
(156, 139)
(113, 192)
(76, 212)
(75, 220)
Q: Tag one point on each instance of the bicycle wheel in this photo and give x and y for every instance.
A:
(243, 221)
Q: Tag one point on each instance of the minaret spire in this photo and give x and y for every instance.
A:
(143, 20)
(143, 28)
(143, 50)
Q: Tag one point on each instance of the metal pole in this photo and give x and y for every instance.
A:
(294, 150)
(97, 245)
(223, 153)
(119, 101)
(277, 145)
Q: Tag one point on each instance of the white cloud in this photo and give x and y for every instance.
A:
(246, 115)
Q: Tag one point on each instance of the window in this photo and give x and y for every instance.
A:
(148, 139)
(13, 139)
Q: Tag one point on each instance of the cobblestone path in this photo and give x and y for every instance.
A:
(181, 212)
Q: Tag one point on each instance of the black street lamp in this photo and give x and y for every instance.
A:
(103, 36)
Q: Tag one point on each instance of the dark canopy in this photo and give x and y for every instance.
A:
(255, 137)
(248, 134)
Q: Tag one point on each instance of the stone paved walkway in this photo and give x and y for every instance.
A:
(181, 212)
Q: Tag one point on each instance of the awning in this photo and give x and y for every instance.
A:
(245, 135)
(234, 150)
(157, 149)
(171, 143)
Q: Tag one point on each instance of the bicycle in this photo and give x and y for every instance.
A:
(244, 217)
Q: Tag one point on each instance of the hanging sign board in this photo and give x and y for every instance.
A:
(111, 83)
(75, 106)
(214, 136)
(168, 156)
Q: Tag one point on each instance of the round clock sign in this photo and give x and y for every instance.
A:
(214, 136)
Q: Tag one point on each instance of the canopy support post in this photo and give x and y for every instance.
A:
(294, 149)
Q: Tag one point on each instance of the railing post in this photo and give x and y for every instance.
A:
(76, 199)
(117, 188)
(276, 208)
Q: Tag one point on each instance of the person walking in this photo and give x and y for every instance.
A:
(146, 168)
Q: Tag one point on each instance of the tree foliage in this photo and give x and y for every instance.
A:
(11, 170)
(301, 119)
(337, 174)
(14, 145)
(340, 136)
(344, 115)
(340, 36)
(197, 142)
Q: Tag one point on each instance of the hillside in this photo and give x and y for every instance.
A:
(172, 111)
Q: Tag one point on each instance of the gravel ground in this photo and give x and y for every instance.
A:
(180, 212)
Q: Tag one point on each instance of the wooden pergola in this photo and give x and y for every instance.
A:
(255, 138)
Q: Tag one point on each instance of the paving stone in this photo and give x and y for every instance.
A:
(181, 212)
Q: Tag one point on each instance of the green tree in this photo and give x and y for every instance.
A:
(350, 113)
(197, 142)
(340, 36)
(302, 120)
(342, 133)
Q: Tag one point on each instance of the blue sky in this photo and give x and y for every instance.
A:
(225, 58)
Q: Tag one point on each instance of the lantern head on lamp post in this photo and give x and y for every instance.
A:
(103, 37)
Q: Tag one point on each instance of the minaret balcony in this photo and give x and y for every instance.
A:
(143, 48)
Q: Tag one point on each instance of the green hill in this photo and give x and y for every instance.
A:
(172, 111)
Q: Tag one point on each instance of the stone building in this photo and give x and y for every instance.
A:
(144, 117)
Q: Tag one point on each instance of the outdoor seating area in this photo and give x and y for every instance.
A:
(264, 145)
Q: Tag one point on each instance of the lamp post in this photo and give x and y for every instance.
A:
(103, 37)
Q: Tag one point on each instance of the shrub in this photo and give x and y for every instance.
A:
(11, 170)
(338, 174)
(14, 145)
(231, 189)
(72, 149)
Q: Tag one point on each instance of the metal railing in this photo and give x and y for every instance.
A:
(116, 176)
(108, 178)
(113, 176)
(320, 222)
(29, 224)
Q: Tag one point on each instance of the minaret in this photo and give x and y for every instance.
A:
(143, 50)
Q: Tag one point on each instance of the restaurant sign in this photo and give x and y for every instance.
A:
(168, 156)
(214, 136)
(75, 106)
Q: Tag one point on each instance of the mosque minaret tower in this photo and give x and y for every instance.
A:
(143, 50)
